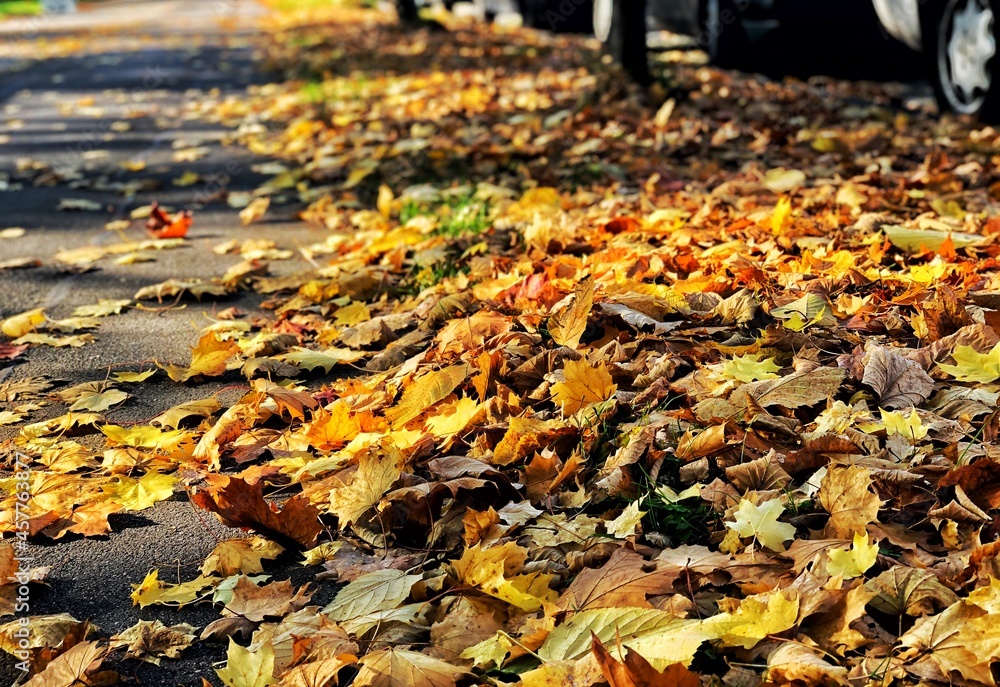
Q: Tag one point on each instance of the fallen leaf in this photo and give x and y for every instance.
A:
(245, 668)
(760, 522)
(239, 504)
(151, 640)
(583, 385)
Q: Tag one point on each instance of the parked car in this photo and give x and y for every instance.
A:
(960, 39)
(956, 38)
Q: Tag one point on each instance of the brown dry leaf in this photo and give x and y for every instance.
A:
(635, 671)
(288, 401)
(898, 381)
(794, 663)
(402, 668)
(568, 325)
(627, 579)
(466, 621)
(845, 494)
(794, 390)
(239, 504)
(901, 590)
(832, 630)
(964, 639)
(274, 600)
(75, 667)
(151, 640)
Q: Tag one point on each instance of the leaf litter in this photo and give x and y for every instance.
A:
(579, 390)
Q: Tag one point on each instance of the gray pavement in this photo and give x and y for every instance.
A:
(128, 93)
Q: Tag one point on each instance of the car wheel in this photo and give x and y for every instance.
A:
(963, 51)
(621, 27)
(722, 34)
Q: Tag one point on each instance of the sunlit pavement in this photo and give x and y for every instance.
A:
(80, 95)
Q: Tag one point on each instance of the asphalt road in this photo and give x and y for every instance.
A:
(149, 65)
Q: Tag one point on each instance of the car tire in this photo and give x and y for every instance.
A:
(621, 27)
(722, 34)
(962, 46)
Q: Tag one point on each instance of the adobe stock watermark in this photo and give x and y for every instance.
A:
(564, 11)
(719, 16)
(22, 599)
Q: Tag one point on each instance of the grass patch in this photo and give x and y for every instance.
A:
(458, 215)
(19, 8)
(683, 522)
(687, 521)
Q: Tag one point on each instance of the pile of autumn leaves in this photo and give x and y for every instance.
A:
(486, 431)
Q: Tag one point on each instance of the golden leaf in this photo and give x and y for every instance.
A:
(378, 469)
(844, 494)
(425, 392)
(583, 385)
(567, 326)
(208, 359)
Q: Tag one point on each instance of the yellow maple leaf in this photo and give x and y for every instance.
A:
(453, 418)
(17, 326)
(757, 617)
(255, 210)
(234, 556)
(844, 494)
(147, 436)
(761, 523)
(492, 650)
(853, 561)
(782, 215)
(152, 590)
(750, 368)
(378, 469)
(494, 571)
(625, 524)
(208, 358)
(246, 668)
(352, 314)
(568, 325)
(324, 552)
(910, 427)
(425, 392)
(973, 366)
(331, 427)
(583, 385)
(142, 493)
